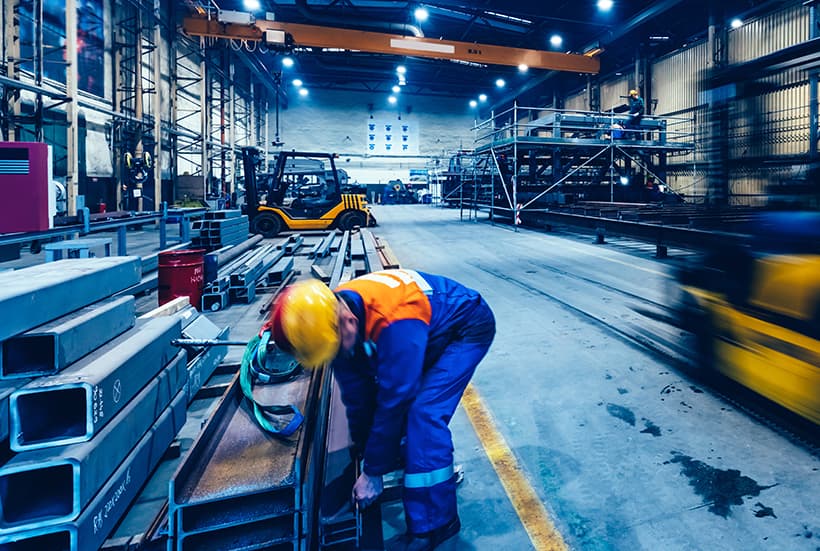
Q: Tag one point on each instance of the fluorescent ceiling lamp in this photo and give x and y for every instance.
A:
(500, 83)
(473, 103)
(252, 5)
(434, 47)
(303, 92)
(287, 61)
(421, 14)
(482, 97)
(736, 23)
(392, 100)
(605, 5)
(523, 68)
(556, 40)
(297, 82)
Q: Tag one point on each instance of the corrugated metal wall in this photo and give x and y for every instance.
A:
(611, 92)
(577, 102)
(768, 34)
(676, 79)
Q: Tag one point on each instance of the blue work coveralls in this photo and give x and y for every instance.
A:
(421, 338)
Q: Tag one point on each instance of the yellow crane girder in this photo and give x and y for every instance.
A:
(314, 36)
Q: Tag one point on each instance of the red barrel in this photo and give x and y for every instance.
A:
(181, 274)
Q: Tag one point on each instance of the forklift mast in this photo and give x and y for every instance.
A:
(250, 158)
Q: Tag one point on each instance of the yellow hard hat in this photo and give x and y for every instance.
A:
(305, 322)
(633, 92)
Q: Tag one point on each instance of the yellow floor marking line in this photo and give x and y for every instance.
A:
(525, 500)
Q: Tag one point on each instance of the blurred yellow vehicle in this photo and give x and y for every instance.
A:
(756, 311)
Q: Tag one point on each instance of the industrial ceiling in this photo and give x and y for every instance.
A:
(621, 28)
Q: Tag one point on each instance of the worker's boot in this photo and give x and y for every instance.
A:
(429, 540)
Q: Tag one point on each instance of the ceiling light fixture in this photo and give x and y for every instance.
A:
(500, 83)
(736, 23)
(605, 5)
(482, 97)
(287, 62)
(473, 103)
(252, 5)
(392, 100)
(421, 14)
(556, 40)
(523, 68)
(297, 82)
(396, 88)
(401, 69)
(303, 92)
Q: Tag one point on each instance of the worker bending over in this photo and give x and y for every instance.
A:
(403, 346)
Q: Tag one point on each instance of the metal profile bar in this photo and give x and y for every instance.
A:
(45, 292)
(73, 405)
(69, 477)
(209, 494)
(100, 517)
(55, 345)
(280, 271)
(214, 260)
(341, 258)
(7, 388)
(337, 516)
(372, 257)
(202, 366)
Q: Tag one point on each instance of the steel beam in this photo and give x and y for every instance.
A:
(7, 388)
(100, 517)
(73, 405)
(219, 259)
(43, 293)
(69, 477)
(394, 44)
(239, 484)
(55, 345)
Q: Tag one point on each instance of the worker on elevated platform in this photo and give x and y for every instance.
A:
(636, 112)
(403, 347)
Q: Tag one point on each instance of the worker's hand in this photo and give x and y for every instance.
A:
(367, 489)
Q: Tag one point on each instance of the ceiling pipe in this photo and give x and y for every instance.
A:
(322, 18)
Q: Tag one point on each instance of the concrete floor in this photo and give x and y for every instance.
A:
(625, 451)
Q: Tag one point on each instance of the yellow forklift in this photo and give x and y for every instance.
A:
(300, 194)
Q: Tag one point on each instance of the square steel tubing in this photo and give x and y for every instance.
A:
(100, 517)
(68, 477)
(47, 291)
(73, 405)
(53, 346)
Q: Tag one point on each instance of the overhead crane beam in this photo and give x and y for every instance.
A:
(313, 36)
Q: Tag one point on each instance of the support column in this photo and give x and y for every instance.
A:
(157, 106)
(11, 51)
(814, 121)
(229, 185)
(71, 108)
(205, 109)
